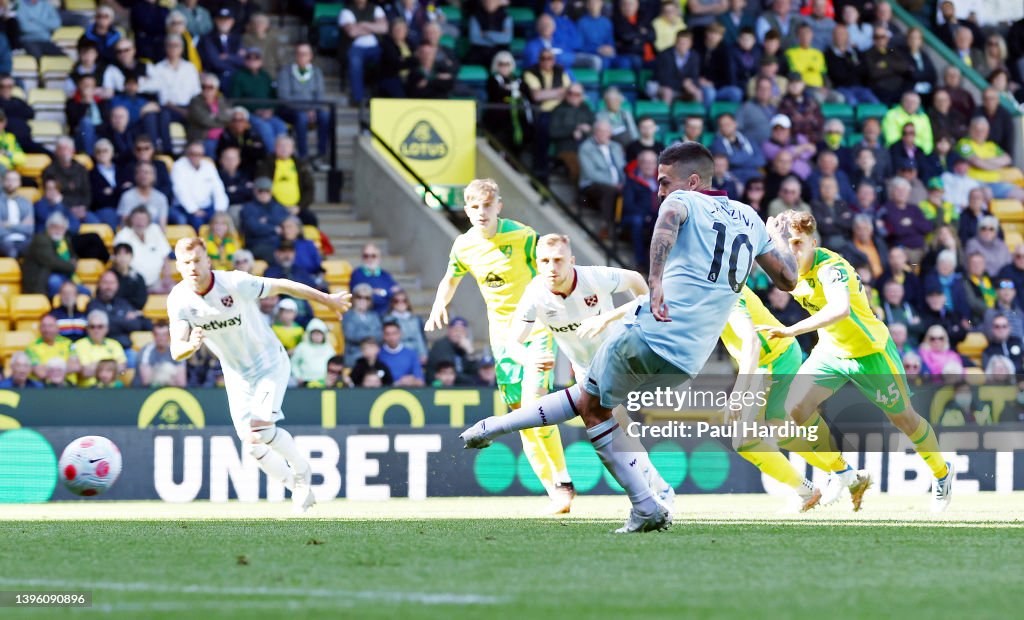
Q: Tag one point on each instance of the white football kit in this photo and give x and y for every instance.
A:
(591, 295)
(256, 366)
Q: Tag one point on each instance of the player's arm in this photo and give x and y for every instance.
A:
(445, 291)
(185, 340)
(340, 302)
(837, 305)
(671, 216)
(632, 282)
(779, 262)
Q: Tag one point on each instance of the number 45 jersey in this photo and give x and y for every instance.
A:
(704, 273)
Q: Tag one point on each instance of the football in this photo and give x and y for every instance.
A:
(90, 465)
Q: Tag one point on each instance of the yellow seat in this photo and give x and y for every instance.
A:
(35, 163)
(84, 159)
(18, 93)
(103, 230)
(4, 315)
(89, 270)
(81, 302)
(259, 267)
(1007, 210)
(313, 234)
(337, 271)
(155, 308)
(84, 6)
(55, 67)
(67, 34)
(23, 63)
(12, 342)
(175, 232)
(31, 194)
(973, 345)
(141, 339)
(321, 311)
(10, 270)
(337, 337)
(49, 98)
(166, 159)
(10, 289)
(26, 310)
(1014, 239)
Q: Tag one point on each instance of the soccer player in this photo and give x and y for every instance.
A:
(759, 358)
(576, 304)
(501, 255)
(853, 345)
(221, 309)
(701, 253)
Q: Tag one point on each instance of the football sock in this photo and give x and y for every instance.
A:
(543, 449)
(548, 410)
(927, 445)
(272, 464)
(821, 452)
(282, 442)
(621, 456)
(771, 462)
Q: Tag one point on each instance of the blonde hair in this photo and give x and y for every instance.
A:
(481, 190)
(554, 241)
(231, 233)
(187, 244)
(802, 223)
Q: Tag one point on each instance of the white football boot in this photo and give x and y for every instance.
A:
(302, 493)
(660, 519)
(942, 490)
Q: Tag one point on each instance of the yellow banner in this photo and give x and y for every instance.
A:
(436, 138)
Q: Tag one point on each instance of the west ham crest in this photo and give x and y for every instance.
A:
(591, 301)
(227, 302)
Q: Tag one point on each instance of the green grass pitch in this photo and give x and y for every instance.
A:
(726, 557)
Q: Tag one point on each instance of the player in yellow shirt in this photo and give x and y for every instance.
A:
(758, 359)
(853, 345)
(500, 254)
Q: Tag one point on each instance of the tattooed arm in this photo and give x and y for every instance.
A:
(671, 216)
(780, 262)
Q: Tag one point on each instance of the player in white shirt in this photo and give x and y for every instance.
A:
(221, 309)
(702, 250)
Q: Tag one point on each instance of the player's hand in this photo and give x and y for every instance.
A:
(543, 362)
(658, 306)
(340, 302)
(775, 331)
(195, 338)
(778, 227)
(592, 326)
(438, 318)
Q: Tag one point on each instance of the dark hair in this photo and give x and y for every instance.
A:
(124, 247)
(645, 117)
(443, 365)
(388, 324)
(338, 360)
(689, 158)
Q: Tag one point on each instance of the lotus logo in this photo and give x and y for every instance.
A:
(423, 143)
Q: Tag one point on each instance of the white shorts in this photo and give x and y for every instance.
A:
(626, 363)
(257, 398)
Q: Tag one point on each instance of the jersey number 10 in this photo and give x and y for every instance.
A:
(739, 242)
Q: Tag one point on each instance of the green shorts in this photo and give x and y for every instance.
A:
(879, 377)
(511, 375)
(782, 370)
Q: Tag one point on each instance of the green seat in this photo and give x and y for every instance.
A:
(841, 111)
(521, 15)
(452, 14)
(670, 137)
(325, 25)
(707, 138)
(472, 74)
(719, 108)
(658, 110)
(589, 78)
(686, 109)
(517, 46)
(327, 12)
(870, 110)
(618, 77)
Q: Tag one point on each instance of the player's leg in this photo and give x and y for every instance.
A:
(273, 464)
(884, 382)
(662, 490)
(544, 445)
(818, 378)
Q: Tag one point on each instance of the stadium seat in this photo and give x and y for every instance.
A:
(719, 108)
(5, 323)
(841, 111)
(46, 132)
(141, 339)
(658, 110)
(474, 76)
(870, 110)
(84, 159)
(324, 313)
(35, 163)
(325, 25)
(155, 308)
(681, 110)
(31, 194)
(337, 271)
(313, 234)
(48, 104)
(177, 138)
(1007, 210)
(67, 35)
(523, 19)
(166, 159)
(517, 46)
(10, 270)
(623, 79)
(452, 14)
(258, 267)
(54, 70)
(81, 302)
(103, 230)
(175, 232)
(1013, 239)
(26, 69)
(26, 310)
(80, 6)
(13, 341)
(89, 270)
(337, 337)
(972, 346)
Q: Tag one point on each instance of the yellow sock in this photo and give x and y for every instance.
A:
(771, 462)
(821, 453)
(543, 449)
(927, 445)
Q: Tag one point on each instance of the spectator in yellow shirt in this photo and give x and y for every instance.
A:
(989, 163)
(95, 347)
(222, 241)
(11, 155)
(48, 346)
(288, 331)
(908, 111)
(293, 184)
(808, 62)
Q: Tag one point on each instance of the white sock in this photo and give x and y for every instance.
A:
(282, 442)
(620, 456)
(547, 410)
(272, 464)
(654, 479)
(806, 489)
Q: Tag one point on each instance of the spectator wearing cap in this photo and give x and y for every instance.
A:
(302, 81)
(284, 266)
(677, 71)
(988, 244)
(846, 69)
(130, 284)
(936, 208)
(17, 217)
(221, 50)
(37, 21)
(237, 184)
(360, 321)
(198, 190)
(208, 114)
(403, 362)
(361, 23)
(1004, 328)
(261, 220)
(486, 375)
(149, 244)
(904, 222)
(252, 82)
(175, 81)
(149, 24)
(292, 178)
(754, 117)
(938, 311)
(888, 70)
(799, 147)
(908, 172)
(455, 347)
(382, 284)
(240, 135)
(287, 330)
